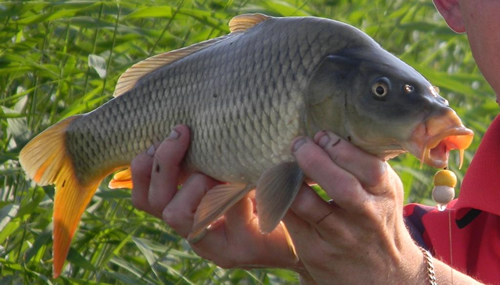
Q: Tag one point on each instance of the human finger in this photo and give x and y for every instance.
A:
(340, 185)
(310, 211)
(166, 168)
(219, 241)
(270, 249)
(236, 241)
(308, 199)
(179, 213)
(368, 169)
(141, 177)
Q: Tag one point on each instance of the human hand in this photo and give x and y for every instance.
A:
(359, 237)
(232, 241)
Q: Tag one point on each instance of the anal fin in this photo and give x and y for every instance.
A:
(121, 179)
(214, 204)
(276, 189)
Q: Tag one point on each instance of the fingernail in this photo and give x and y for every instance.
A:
(151, 151)
(298, 144)
(173, 135)
(323, 140)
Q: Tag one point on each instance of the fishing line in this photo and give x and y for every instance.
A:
(443, 193)
(451, 247)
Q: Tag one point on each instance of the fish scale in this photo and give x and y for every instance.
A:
(246, 96)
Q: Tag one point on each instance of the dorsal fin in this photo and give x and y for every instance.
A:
(132, 75)
(243, 22)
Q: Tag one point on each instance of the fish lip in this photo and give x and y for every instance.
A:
(432, 140)
(436, 151)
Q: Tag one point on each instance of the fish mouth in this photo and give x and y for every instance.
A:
(432, 140)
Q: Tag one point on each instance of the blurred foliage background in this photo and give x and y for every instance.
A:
(60, 58)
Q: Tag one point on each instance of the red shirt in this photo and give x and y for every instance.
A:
(474, 216)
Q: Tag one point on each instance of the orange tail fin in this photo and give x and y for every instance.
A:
(46, 161)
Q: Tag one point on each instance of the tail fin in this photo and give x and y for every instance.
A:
(46, 161)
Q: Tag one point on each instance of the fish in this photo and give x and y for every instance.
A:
(245, 96)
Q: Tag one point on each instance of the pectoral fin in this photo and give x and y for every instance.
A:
(276, 189)
(214, 204)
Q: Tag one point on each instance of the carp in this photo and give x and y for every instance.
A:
(245, 97)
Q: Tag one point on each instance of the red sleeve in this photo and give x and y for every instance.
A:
(474, 238)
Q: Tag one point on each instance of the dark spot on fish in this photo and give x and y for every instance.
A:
(64, 183)
(215, 95)
(349, 138)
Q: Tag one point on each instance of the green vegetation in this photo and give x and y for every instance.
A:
(62, 58)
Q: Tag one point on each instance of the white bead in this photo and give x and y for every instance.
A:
(443, 195)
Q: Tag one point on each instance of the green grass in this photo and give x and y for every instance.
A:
(45, 76)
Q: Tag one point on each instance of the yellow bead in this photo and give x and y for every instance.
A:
(445, 178)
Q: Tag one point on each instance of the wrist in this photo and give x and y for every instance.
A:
(429, 267)
(413, 265)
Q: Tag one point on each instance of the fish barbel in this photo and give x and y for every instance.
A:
(245, 97)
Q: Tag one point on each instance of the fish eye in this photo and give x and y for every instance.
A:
(381, 88)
